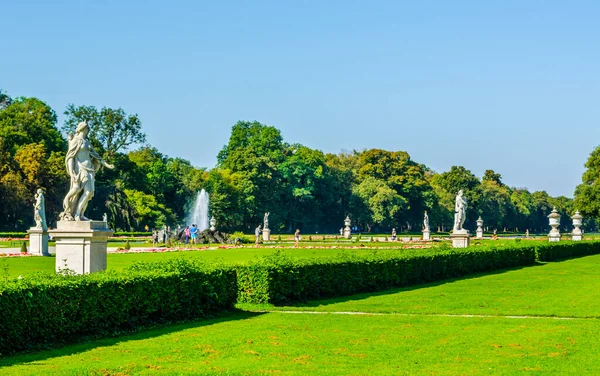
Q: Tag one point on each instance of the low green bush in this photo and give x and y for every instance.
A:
(278, 279)
(132, 233)
(13, 235)
(566, 249)
(43, 310)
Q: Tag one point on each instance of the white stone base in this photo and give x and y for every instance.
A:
(479, 234)
(38, 241)
(347, 233)
(266, 235)
(81, 246)
(460, 239)
(554, 236)
(426, 235)
(577, 238)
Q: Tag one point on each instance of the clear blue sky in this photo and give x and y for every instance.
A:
(512, 86)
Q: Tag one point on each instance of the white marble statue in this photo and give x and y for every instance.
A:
(460, 211)
(266, 221)
(105, 218)
(82, 163)
(426, 221)
(40, 210)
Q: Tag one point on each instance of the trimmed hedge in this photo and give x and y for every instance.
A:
(47, 310)
(566, 249)
(19, 235)
(278, 279)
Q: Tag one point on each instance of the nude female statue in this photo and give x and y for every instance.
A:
(82, 163)
(460, 211)
(39, 208)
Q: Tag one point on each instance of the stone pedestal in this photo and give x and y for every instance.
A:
(460, 239)
(81, 246)
(266, 235)
(38, 241)
(554, 236)
(347, 233)
(577, 237)
(426, 235)
(479, 234)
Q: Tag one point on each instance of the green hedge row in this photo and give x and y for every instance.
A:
(13, 234)
(278, 279)
(566, 249)
(132, 233)
(42, 311)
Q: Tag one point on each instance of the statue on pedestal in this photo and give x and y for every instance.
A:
(426, 221)
(82, 163)
(266, 221)
(460, 211)
(40, 210)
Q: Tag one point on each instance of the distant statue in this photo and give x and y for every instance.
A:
(426, 221)
(460, 211)
(82, 163)
(342, 231)
(105, 217)
(39, 207)
(266, 221)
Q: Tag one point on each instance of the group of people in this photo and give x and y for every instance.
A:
(190, 234)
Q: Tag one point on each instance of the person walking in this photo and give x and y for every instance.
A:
(155, 238)
(257, 234)
(187, 234)
(297, 237)
(194, 233)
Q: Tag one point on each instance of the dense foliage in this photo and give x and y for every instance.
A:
(257, 172)
(42, 311)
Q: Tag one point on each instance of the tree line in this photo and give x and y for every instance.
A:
(256, 172)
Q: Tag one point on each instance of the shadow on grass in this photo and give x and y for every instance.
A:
(144, 333)
(365, 295)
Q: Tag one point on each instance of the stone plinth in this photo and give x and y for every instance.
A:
(426, 235)
(479, 234)
(81, 246)
(460, 239)
(266, 235)
(577, 237)
(347, 233)
(38, 241)
(554, 236)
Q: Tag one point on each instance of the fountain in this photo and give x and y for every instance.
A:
(199, 214)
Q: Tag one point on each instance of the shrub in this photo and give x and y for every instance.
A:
(566, 249)
(127, 245)
(23, 247)
(47, 310)
(309, 238)
(240, 237)
(19, 235)
(279, 279)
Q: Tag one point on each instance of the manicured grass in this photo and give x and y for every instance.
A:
(332, 344)
(16, 266)
(419, 330)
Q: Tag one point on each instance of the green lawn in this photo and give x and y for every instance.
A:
(15, 266)
(419, 330)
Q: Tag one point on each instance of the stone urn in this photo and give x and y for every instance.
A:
(479, 228)
(577, 222)
(554, 220)
(213, 223)
(347, 230)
